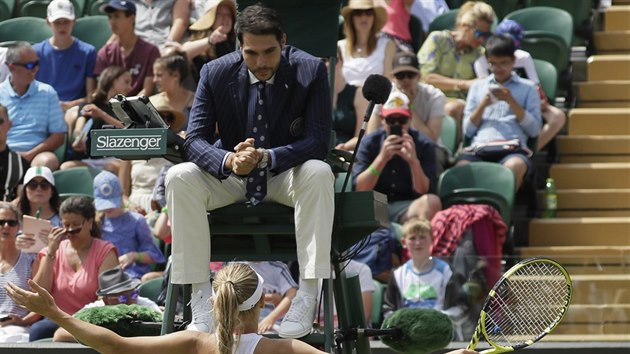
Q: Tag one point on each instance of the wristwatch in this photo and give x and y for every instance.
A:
(264, 160)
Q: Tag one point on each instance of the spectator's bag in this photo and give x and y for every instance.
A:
(494, 151)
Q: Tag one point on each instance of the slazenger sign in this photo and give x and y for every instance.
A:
(128, 142)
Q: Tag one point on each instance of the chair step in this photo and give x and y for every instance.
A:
(589, 199)
(612, 41)
(610, 231)
(609, 67)
(581, 255)
(604, 104)
(612, 175)
(605, 91)
(593, 145)
(600, 121)
(616, 18)
(606, 289)
(598, 269)
(592, 213)
(597, 313)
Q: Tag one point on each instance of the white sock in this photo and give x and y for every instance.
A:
(205, 287)
(309, 286)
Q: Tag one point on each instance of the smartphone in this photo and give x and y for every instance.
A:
(5, 318)
(395, 130)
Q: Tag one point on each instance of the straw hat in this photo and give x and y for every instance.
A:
(209, 14)
(161, 104)
(380, 15)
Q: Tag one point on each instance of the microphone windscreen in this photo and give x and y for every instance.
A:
(423, 330)
(377, 88)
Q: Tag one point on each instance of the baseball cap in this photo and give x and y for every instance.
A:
(119, 5)
(107, 191)
(397, 103)
(60, 9)
(39, 171)
(405, 61)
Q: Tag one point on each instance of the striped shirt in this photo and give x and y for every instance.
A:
(18, 275)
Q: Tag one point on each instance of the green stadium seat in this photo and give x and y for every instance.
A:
(93, 7)
(75, 181)
(34, 8)
(151, 289)
(449, 134)
(6, 9)
(580, 10)
(546, 19)
(549, 47)
(445, 21)
(502, 7)
(94, 30)
(548, 76)
(30, 29)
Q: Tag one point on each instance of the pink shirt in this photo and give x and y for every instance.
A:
(73, 290)
(139, 62)
(397, 20)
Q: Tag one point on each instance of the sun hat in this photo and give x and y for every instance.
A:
(107, 191)
(60, 9)
(380, 14)
(115, 281)
(397, 103)
(39, 171)
(209, 14)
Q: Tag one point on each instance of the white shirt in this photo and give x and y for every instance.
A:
(356, 70)
(523, 61)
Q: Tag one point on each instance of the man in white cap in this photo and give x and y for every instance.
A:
(65, 62)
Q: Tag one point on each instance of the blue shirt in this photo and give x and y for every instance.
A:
(67, 69)
(34, 115)
(498, 120)
(396, 180)
(130, 233)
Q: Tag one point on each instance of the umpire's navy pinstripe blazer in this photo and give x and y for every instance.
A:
(300, 117)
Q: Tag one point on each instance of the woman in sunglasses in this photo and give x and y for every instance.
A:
(70, 264)
(40, 198)
(17, 267)
(447, 57)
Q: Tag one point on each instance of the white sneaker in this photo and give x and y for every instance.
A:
(202, 316)
(298, 321)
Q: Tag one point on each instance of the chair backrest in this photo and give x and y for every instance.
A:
(444, 21)
(94, 30)
(34, 8)
(151, 289)
(548, 76)
(479, 183)
(79, 8)
(581, 11)
(449, 134)
(75, 181)
(93, 7)
(548, 19)
(6, 9)
(549, 47)
(30, 29)
(503, 7)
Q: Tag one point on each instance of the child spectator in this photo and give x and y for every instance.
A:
(421, 281)
(127, 230)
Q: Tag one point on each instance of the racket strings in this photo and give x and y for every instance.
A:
(526, 304)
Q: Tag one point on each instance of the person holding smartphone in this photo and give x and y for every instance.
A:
(399, 161)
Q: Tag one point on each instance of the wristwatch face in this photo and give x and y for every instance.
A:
(264, 160)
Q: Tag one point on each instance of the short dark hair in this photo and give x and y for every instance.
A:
(258, 20)
(500, 45)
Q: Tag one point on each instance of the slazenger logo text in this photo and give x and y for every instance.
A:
(113, 143)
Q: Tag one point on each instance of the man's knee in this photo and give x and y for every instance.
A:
(47, 159)
(178, 173)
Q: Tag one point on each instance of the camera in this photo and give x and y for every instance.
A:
(395, 130)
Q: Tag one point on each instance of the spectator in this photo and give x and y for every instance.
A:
(115, 287)
(553, 116)
(33, 107)
(447, 57)
(279, 289)
(421, 281)
(40, 198)
(426, 103)
(113, 80)
(212, 35)
(128, 231)
(12, 165)
(126, 49)
(349, 107)
(502, 107)
(400, 164)
(397, 26)
(427, 10)
(65, 62)
(70, 265)
(364, 51)
(159, 22)
(16, 267)
(170, 72)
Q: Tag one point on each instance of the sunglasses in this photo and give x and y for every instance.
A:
(75, 230)
(2, 120)
(34, 184)
(400, 120)
(482, 34)
(405, 75)
(122, 299)
(10, 223)
(29, 66)
(367, 12)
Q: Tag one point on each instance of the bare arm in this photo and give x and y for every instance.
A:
(285, 346)
(147, 87)
(446, 83)
(432, 128)
(280, 310)
(53, 141)
(124, 174)
(99, 338)
(181, 13)
(390, 50)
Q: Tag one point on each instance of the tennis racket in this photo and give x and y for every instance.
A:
(526, 304)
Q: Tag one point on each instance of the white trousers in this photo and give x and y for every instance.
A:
(191, 192)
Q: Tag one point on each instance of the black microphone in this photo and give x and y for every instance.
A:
(376, 90)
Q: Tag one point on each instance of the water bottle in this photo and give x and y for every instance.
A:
(551, 199)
